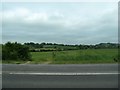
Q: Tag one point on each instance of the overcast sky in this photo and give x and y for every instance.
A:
(67, 23)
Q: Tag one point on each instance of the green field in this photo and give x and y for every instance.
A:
(76, 56)
(72, 57)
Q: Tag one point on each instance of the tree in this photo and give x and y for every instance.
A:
(15, 51)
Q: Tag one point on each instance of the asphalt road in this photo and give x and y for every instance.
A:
(60, 76)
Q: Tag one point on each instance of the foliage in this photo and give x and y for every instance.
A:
(40, 47)
(15, 51)
(59, 53)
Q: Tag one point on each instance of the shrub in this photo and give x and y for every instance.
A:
(15, 51)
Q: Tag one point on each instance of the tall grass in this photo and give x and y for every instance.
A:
(76, 56)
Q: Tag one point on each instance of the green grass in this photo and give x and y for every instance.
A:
(14, 62)
(42, 57)
(73, 57)
(76, 56)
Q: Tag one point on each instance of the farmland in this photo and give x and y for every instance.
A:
(72, 57)
(76, 56)
(48, 53)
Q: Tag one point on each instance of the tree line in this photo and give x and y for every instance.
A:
(80, 46)
(18, 51)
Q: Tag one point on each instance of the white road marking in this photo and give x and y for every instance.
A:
(20, 73)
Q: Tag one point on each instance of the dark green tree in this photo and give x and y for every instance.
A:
(15, 51)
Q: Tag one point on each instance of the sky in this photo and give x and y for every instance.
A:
(54, 22)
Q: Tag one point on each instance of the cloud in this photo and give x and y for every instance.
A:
(28, 15)
(24, 24)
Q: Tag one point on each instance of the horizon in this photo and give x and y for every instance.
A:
(60, 43)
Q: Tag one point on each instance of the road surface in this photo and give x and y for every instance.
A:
(60, 76)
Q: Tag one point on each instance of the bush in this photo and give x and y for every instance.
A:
(15, 51)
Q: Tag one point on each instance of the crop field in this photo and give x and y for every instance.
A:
(75, 56)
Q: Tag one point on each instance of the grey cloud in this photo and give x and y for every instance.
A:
(55, 29)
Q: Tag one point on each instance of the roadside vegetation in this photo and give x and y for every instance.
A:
(48, 53)
(0, 53)
(76, 56)
(15, 51)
